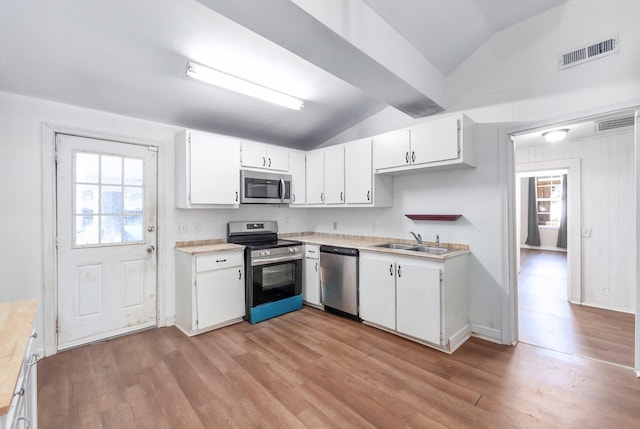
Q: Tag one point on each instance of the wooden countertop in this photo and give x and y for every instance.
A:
(16, 323)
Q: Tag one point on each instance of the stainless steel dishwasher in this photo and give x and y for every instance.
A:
(339, 279)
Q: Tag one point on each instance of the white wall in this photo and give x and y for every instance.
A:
(474, 193)
(607, 173)
(21, 193)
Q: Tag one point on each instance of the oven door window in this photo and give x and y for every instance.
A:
(274, 282)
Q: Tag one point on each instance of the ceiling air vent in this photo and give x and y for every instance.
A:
(613, 123)
(587, 53)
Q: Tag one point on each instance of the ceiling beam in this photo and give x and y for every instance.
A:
(348, 40)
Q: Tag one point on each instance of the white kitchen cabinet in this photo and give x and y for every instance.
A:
(442, 143)
(298, 170)
(392, 150)
(378, 289)
(311, 283)
(334, 174)
(362, 188)
(210, 290)
(260, 155)
(422, 299)
(418, 300)
(315, 177)
(207, 170)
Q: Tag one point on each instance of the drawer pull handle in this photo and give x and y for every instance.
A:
(221, 260)
(239, 274)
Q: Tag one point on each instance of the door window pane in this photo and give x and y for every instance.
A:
(133, 228)
(111, 229)
(86, 231)
(105, 210)
(87, 167)
(111, 169)
(133, 172)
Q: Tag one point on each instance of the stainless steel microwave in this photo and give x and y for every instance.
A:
(257, 187)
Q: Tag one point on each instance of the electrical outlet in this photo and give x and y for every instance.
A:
(195, 227)
(335, 226)
(586, 232)
(181, 228)
(605, 291)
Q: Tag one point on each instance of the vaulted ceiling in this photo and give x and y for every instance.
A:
(347, 59)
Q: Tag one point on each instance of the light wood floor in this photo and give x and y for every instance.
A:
(547, 319)
(312, 369)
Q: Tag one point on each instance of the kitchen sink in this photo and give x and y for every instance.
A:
(396, 246)
(428, 249)
(414, 248)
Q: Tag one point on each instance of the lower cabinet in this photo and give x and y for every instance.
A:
(422, 299)
(311, 281)
(210, 290)
(23, 409)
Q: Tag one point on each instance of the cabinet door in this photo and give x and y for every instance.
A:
(254, 155)
(277, 158)
(358, 158)
(315, 177)
(334, 175)
(435, 141)
(214, 169)
(378, 290)
(298, 169)
(311, 284)
(219, 296)
(391, 150)
(418, 300)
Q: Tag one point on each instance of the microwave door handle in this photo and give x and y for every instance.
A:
(281, 189)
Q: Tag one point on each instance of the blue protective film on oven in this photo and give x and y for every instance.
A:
(276, 308)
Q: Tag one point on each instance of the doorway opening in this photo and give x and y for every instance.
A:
(579, 302)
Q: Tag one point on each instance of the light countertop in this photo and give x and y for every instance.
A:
(364, 243)
(16, 324)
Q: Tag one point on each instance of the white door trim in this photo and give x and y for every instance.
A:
(49, 197)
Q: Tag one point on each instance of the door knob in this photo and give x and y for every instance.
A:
(150, 228)
(150, 248)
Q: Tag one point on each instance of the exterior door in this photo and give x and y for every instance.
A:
(106, 235)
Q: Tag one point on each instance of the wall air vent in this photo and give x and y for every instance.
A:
(588, 53)
(613, 123)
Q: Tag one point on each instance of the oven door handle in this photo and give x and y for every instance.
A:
(266, 261)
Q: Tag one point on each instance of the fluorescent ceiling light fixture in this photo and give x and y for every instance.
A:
(555, 135)
(242, 86)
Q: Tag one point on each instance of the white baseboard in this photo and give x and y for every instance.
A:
(169, 321)
(485, 333)
(619, 310)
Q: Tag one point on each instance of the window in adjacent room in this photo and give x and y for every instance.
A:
(549, 200)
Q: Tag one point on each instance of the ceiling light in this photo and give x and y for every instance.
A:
(233, 83)
(555, 135)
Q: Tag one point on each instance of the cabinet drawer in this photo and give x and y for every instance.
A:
(218, 260)
(311, 251)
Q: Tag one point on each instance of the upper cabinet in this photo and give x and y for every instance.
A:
(446, 142)
(207, 170)
(315, 177)
(298, 169)
(362, 188)
(259, 155)
(334, 174)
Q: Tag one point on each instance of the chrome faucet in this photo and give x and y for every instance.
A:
(417, 237)
(437, 240)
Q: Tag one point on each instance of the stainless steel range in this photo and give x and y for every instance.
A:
(273, 269)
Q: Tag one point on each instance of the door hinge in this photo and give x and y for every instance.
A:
(56, 242)
(441, 276)
(459, 135)
(153, 148)
(57, 326)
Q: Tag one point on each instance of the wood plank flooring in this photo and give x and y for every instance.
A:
(317, 370)
(548, 320)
